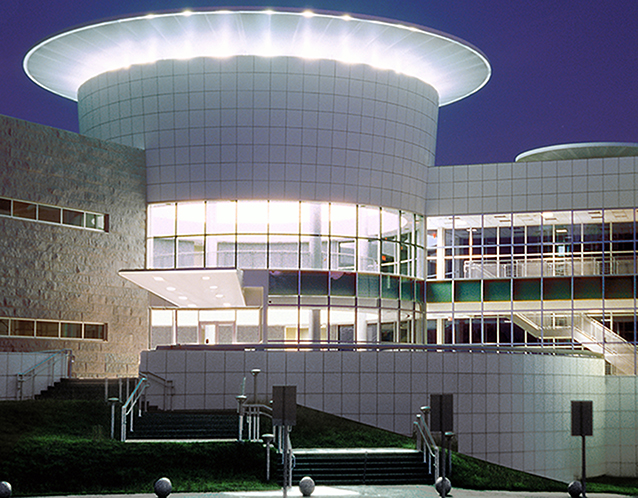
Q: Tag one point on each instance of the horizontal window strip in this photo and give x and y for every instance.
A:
(52, 329)
(45, 213)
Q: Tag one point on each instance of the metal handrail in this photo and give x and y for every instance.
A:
(33, 371)
(166, 384)
(388, 346)
(428, 444)
(253, 411)
(129, 405)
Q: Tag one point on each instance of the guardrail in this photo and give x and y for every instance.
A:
(56, 366)
(565, 350)
(427, 444)
(129, 406)
(167, 386)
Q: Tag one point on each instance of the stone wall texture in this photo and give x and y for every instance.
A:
(58, 272)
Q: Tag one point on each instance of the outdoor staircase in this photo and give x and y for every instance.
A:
(87, 389)
(186, 425)
(359, 467)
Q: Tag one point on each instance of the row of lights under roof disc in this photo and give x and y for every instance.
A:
(306, 13)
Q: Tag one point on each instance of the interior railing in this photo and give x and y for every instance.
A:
(54, 367)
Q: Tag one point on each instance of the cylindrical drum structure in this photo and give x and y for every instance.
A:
(251, 127)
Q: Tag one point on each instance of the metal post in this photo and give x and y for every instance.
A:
(255, 372)
(286, 461)
(584, 468)
(268, 440)
(123, 424)
(112, 401)
(241, 399)
(448, 437)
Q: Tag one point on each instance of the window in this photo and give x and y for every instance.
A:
(52, 214)
(24, 327)
(24, 210)
(49, 213)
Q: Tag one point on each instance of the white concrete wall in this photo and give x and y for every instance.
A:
(621, 426)
(11, 364)
(511, 409)
(533, 186)
(270, 128)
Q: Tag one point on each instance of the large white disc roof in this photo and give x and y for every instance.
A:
(64, 62)
(584, 150)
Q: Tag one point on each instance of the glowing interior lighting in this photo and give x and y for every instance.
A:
(183, 298)
(170, 289)
(213, 287)
(269, 12)
(192, 306)
(158, 279)
(187, 13)
(346, 17)
(219, 296)
(308, 13)
(547, 214)
(205, 278)
(227, 305)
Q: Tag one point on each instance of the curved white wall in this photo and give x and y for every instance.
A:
(270, 128)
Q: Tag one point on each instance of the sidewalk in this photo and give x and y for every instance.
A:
(412, 491)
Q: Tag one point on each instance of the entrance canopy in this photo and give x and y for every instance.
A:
(192, 288)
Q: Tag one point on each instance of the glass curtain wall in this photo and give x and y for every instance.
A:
(285, 235)
(547, 278)
(338, 273)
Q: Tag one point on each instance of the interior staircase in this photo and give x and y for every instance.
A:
(585, 330)
(359, 467)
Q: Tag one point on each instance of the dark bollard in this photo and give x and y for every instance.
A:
(5, 489)
(163, 487)
(443, 486)
(306, 486)
(575, 489)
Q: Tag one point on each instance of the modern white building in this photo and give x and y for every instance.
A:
(296, 223)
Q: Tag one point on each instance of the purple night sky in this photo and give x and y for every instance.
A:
(564, 71)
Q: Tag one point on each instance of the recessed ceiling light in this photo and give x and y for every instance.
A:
(170, 288)
(205, 278)
(183, 298)
(219, 295)
(158, 279)
(213, 287)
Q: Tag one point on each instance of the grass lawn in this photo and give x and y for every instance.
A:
(62, 447)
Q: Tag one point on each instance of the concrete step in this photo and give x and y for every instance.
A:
(360, 466)
(88, 389)
(185, 426)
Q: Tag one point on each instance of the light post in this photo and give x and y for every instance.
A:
(241, 399)
(113, 402)
(268, 438)
(255, 372)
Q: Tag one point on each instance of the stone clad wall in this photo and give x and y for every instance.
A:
(58, 272)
